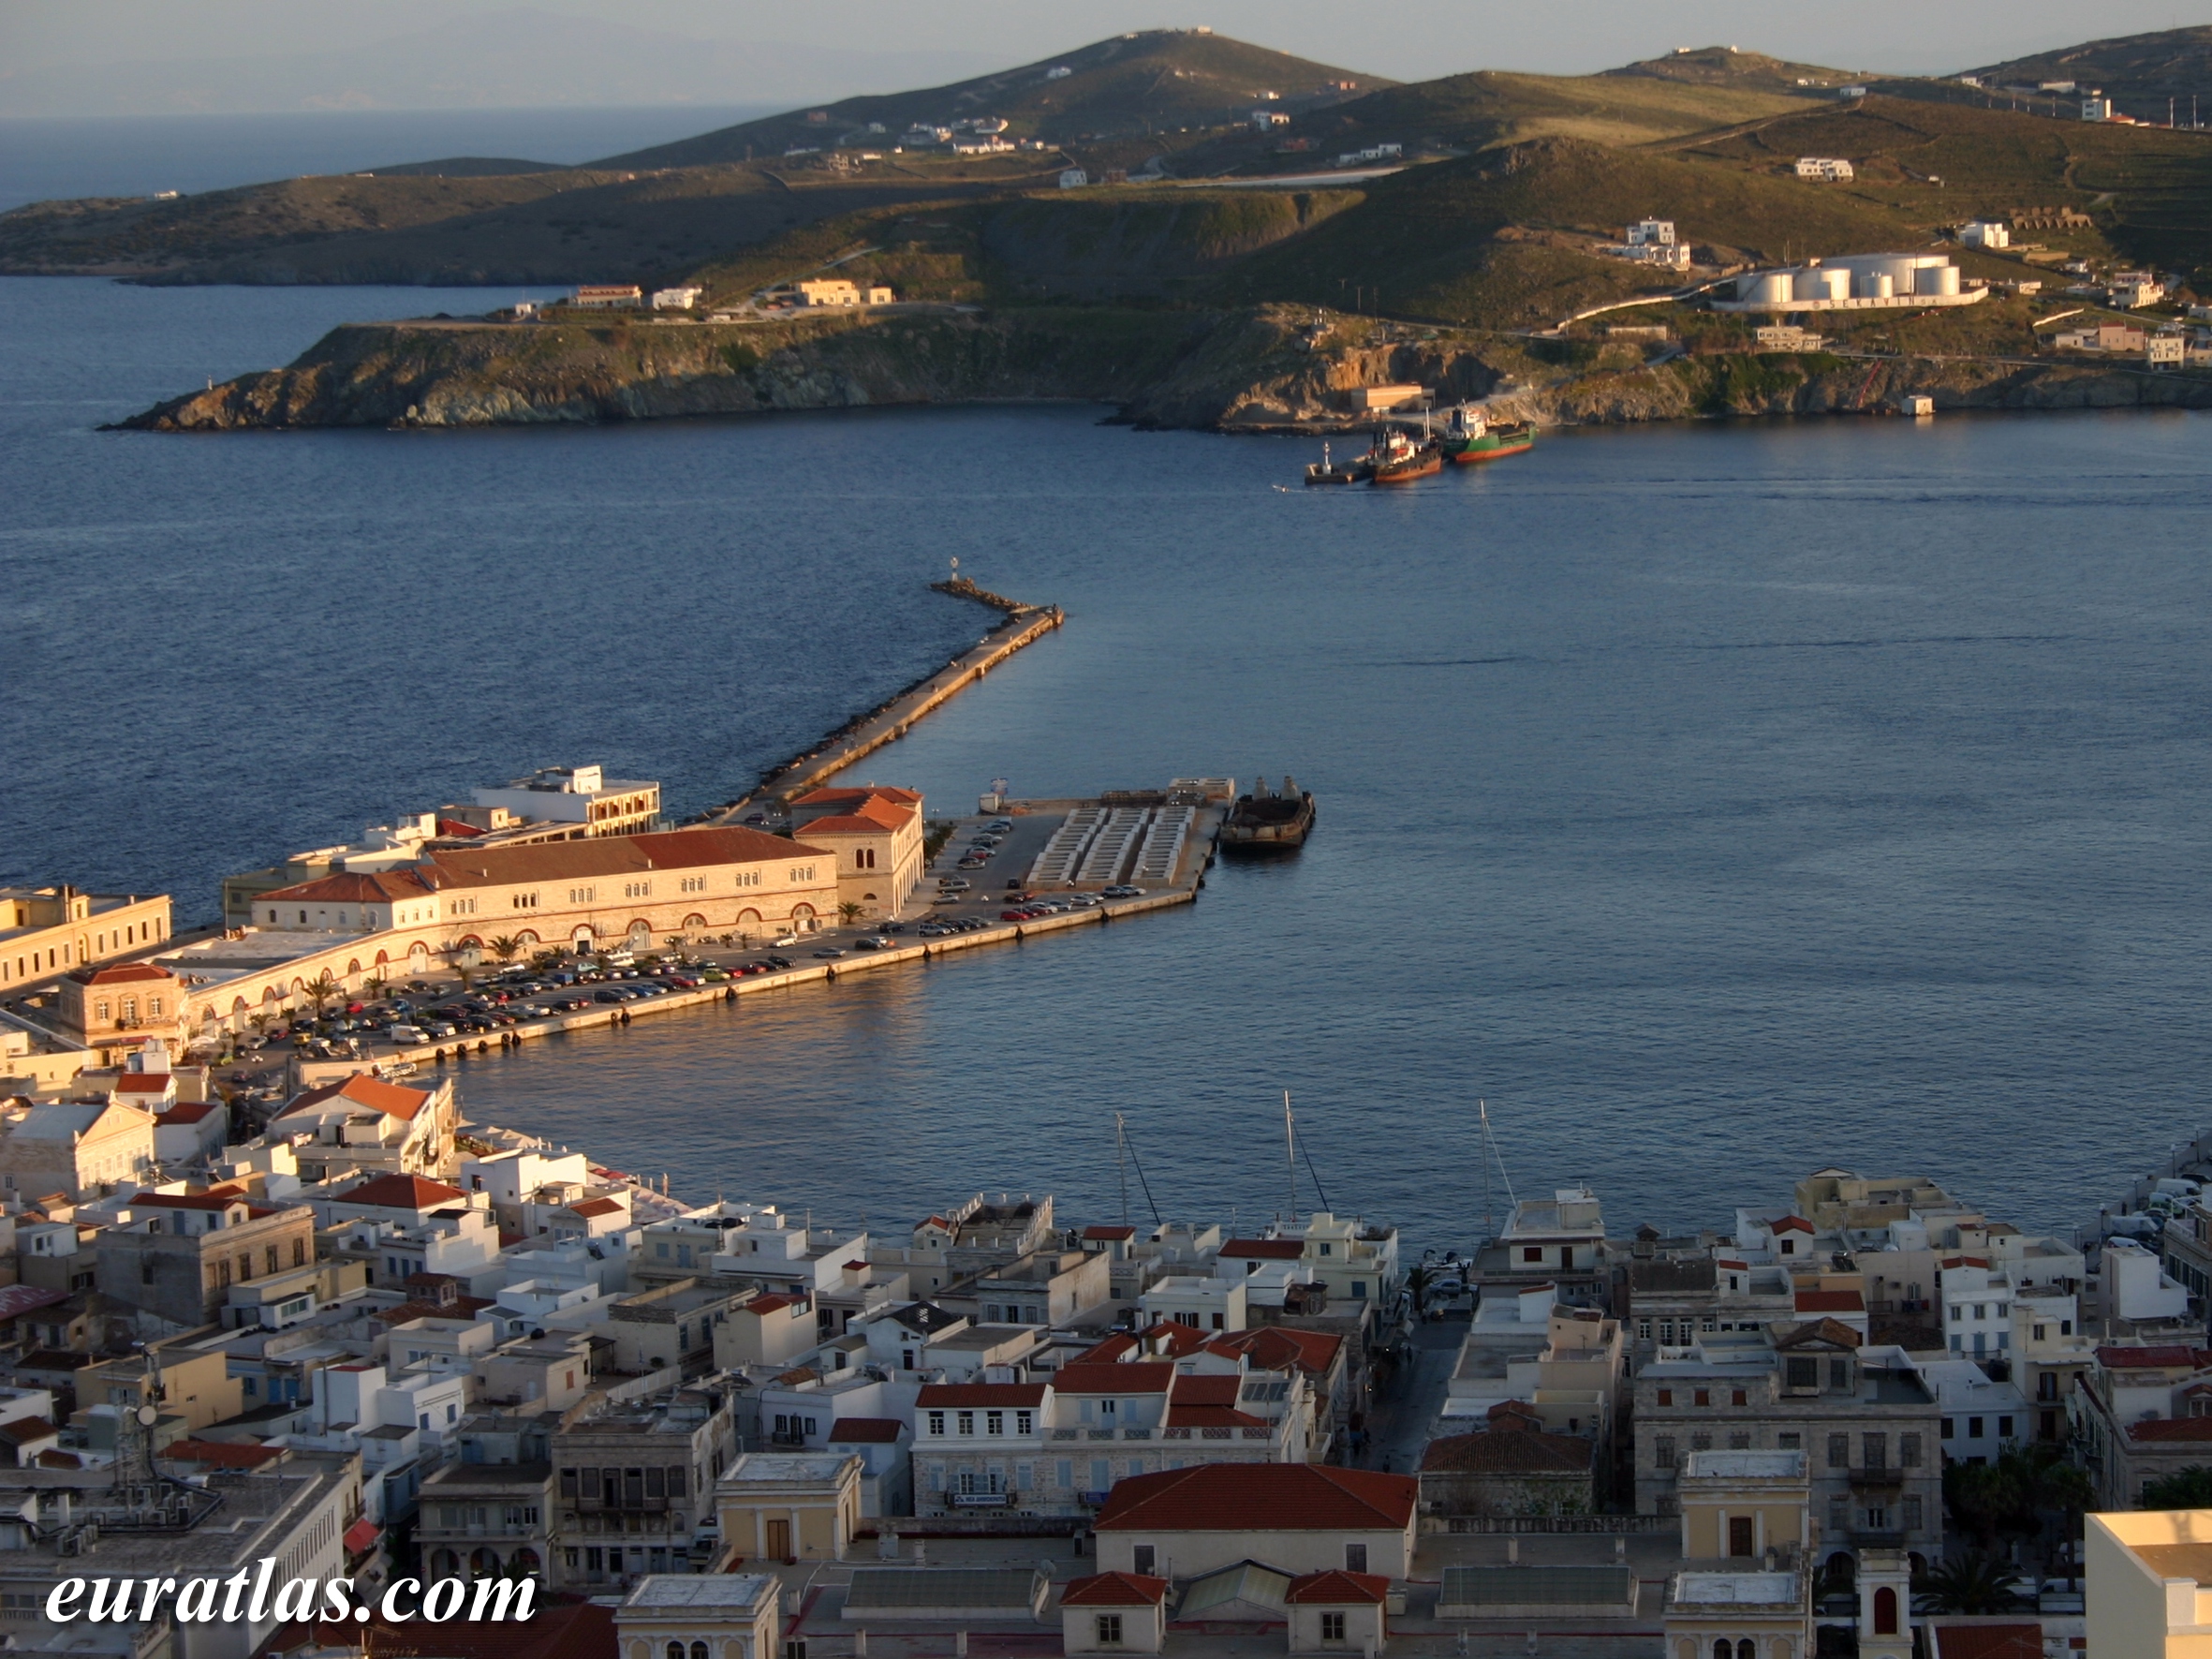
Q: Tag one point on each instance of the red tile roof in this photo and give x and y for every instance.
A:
(866, 1430)
(1792, 1224)
(2171, 1428)
(826, 797)
(1267, 1249)
(575, 1630)
(2117, 1358)
(360, 1089)
(959, 1394)
(872, 818)
(1114, 1590)
(1135, 1377)
(611, 857)
(19, 1299)
(1986, 1641)
(1279, 1347)
(145, 1083)
(121, 973)
(208, 1200)
(346, 887)
(1261, 1497)
(1508, 1447)
(1219, 1390)
(1171, 1340)
(191, 1112)
(1109, 1352)
(1338, 1588)
(1830, 1301)
(597, 1206)
(1966, 1260)
(400, 1191)
(360, 1535)
(244, 1454)
(22, 1431)
(771, 1302)
(1211, 1417)
(1110, 1231)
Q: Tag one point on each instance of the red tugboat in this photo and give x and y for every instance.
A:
(1398, 460)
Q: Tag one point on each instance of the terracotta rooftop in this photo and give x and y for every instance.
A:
(939, 1395)
(1338, 1588)
(1267, 1249)
(1259, 1497)
(866, 1430)
(2118, 1358)
(121, 973)
(1830, 1301)
(611, 857)
(347, 887)
(1114, 1590)
(401, 1192)
(1135, 1377)
(360, 1089)
(1279, 1347)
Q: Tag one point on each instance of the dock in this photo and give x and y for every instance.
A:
(1167, 867)
(1024, 625)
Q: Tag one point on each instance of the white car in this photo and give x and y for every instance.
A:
(786, 940)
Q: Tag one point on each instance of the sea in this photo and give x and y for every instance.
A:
(1707, 803)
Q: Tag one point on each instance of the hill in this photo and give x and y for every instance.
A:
(1941, 163)
(1748, 71)
(2138, 72)
(1504, 240)
(1153, 84)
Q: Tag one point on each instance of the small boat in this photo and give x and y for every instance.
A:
(1324, 471)
(1471, 437)
(1266, 819)
(1398, 459)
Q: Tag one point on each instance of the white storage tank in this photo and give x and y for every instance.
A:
(1767, 287)
(1935, 279)
(1830, 284)
(1874, 285)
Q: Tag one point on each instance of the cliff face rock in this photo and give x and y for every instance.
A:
(1263, 368)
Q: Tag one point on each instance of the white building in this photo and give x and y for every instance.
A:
(1985, 233)
(1831, 169)
(2136, 1287)
(1982, 1417)
(1651, 233)
(1854, 282)
(1074, 178)
(580, 796)
(1203, 1302)
(2095, 109)
(675, 299)
(1268, 119)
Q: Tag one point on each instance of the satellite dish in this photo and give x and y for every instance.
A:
(149, 1415)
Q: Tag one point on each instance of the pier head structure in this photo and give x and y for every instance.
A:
(457, 904)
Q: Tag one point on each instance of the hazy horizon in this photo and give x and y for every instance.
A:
(149, 57)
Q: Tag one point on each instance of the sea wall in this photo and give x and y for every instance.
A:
(1263, 368)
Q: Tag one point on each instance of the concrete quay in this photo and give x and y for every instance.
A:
(1035, 823)
(1022, 627)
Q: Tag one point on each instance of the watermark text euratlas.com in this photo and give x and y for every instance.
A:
(253, 1597)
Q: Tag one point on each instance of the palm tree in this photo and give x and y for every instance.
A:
(849, 912)
(506, 947)
(372, 987)
(1417, 1281)
(2185, 1488)
(320, 989)
(1974, 1583)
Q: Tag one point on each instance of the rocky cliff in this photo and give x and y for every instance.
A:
(1260, 368)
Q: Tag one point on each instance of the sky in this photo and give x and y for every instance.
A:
(158, 56)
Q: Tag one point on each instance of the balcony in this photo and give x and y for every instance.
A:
(981, 1500)
(1136, 1434)
(1097, 1434)
(1863, 1479)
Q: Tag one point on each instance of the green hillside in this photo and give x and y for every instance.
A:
(1746, 71)
(1502, 240)
(2149, 191)
(2138, 72)
(1158, 83)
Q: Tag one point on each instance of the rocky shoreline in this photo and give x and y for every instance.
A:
(1261, 369)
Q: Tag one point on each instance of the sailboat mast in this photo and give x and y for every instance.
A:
(1121, 1167)
(1290, 1149)
(1488, 1231)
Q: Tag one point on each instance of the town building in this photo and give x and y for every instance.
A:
(2141, 1412)
(50, 930)
(676, 299)
(178, 1254)
(584, 798)
(634, 1486)
(2149, 1582)
(839, 291)
(876, 837)
(1113, 1613)
(1747, 1537)
(77, 1148)
(1985, 233)
(364, 1126)
(488, 1521)
(1293, 1517)
(1863, 1415)
(789, 1507)
(705, 1616)
(603, 296)
(1514, 1467)
(1831, 169)
(113, 1008)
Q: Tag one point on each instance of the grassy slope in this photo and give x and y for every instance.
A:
(1748, 71)
(2140, 72)
(1153, 82)
(1429, 243)
(2159, 184)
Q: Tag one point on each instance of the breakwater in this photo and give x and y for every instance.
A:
(889, 721)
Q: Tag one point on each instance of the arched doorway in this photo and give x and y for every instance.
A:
(444, 1564)
(695, 923)
(483, 1562)
(640, 936)
(1885, 1611)
(583, 939)
(523, 1563)
(803, 918)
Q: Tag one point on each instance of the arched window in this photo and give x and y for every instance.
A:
(1746, 1649)
(698, 1651)
(1722, 1649)
(675, 1650)
(1885, 1611)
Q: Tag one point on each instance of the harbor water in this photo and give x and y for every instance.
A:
(1714, 801)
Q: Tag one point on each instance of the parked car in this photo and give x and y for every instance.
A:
(871, 941)
(1121, 890)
